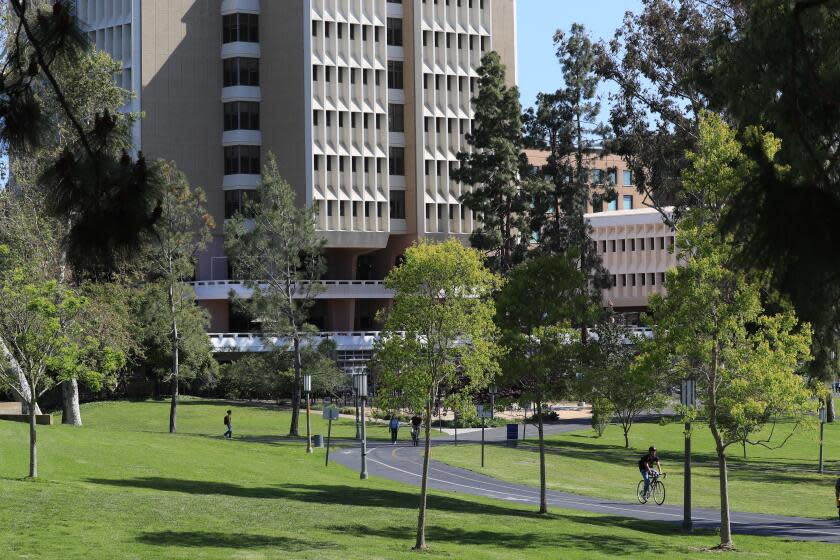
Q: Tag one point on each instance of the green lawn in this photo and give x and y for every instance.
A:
(122, 488)
(782, 481)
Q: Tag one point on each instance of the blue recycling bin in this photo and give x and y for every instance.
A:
(512, 432)
(317, 440)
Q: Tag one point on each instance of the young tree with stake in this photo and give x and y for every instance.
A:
(438, 333)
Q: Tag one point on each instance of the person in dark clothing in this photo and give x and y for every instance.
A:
(646, 467)
(415, 429)
(229, 425)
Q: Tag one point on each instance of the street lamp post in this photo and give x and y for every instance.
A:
(362, 391)
(688, 399)
(822, 430)
(307, 389)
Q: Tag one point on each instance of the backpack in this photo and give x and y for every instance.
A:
(226, 421)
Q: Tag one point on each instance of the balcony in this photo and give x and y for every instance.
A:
(248, 342)
(330, 289)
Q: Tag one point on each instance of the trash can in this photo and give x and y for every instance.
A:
(317, 440)
(512, 432)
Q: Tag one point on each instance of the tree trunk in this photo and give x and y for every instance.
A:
(829, 406)
(420, 543)
(23, 388)
(173, 407)
(543, 502)
(33, 440)
(70, 413)
(626, 436)
(293, 428)
(725, 526)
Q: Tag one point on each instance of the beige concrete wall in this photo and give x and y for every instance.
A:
(182, 82)
(635, 247)
(283, 71)
(504, 35)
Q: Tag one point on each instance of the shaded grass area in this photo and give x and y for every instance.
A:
(782, 481)
(122, 488)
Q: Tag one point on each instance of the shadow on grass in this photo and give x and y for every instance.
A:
(580, 540)
(203, 539)
(335, 494)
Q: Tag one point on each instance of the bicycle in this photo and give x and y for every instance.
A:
(415, 436)
(657, 489)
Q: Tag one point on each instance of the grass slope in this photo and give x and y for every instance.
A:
(782, 481)
(122, 488)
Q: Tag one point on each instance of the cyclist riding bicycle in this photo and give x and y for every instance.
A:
(646, 467)
(415, 429)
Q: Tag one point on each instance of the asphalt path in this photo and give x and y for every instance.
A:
(404, 463)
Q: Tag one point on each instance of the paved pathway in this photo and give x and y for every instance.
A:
(403, 463)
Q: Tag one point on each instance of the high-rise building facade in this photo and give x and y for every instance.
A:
(364, 103)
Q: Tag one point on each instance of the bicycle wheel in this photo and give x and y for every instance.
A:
(640, 492)
(659, 492)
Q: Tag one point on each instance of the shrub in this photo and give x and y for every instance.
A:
(602, 413)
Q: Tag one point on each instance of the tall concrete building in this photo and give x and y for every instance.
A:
(364, 103)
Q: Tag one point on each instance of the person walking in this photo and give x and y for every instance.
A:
(415, 429)
(394, 426)
(228, 425)
(837, 495)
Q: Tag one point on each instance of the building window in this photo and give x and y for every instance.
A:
(612, 245)
(397, 205)
(613, 205)
(662, 278)
(623, 280)
(241, 72)
(396, 119)
(244, 115)
(611, 177)
(241, 27)
(627, 202)
(597, 176)
(623, 245)
(395, 38)
(396, 161)
(236, 202)
(242, 160)
(395, 74)
(628, 178)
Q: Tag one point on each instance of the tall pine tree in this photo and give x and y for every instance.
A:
(495, 168)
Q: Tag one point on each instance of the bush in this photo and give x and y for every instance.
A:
(602, 413)
(547, 416)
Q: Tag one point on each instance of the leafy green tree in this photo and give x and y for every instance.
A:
(42, 322)
(438, 335)
(494, 167)
(88, 88)
(181, 231)
(614, 377)
(538, 308)
(713, 325)
(111, 196)
(276, 250)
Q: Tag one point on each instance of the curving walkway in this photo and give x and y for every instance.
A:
(403, 463)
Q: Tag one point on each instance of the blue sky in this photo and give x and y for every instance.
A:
(536, 21)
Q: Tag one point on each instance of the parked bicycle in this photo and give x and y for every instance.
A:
(656, 489)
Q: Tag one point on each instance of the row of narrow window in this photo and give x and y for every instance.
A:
(450, 82)
(342, 74)
(441, 38)
(640, 278)
(453, 211)
(396, 162)
(633, 244)
(396, 207)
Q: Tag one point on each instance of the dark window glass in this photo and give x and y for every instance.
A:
(242, 115)
(240, 27)
(396, 120)
(397, 205)
(241, 72)
(395, 38)
(242, 160)
(396, 161)
(395, 74)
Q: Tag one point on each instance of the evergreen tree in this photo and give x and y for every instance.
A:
(494, 168)
(275, 248)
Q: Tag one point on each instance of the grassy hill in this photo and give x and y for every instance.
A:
(120, 487)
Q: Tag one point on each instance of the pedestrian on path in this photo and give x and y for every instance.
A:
(415, 429)
(229, 425)
(394, 426)
(837, 495)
